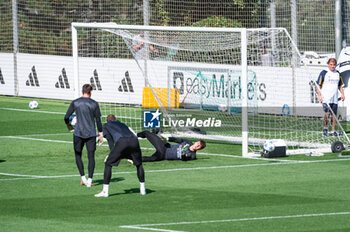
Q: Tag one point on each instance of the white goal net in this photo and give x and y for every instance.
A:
(238, 85)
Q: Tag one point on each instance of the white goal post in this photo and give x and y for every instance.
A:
(233, 84)
(242, 31)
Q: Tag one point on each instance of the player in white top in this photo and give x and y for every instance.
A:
(329, 82)
(138, 46)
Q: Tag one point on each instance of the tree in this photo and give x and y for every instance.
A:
(217, 21)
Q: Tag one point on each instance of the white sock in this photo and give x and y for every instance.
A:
(83, 179)
(142, 188)
(105, 188)
(89, 181)
(142, 184)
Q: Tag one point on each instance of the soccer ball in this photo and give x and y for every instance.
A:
(33, 104)
(73, 119)
(269, 145)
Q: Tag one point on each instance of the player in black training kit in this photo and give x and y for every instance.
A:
(87, 111)
(184, 150)
(123, 143)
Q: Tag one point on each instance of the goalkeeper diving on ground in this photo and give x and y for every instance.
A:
(185, 150)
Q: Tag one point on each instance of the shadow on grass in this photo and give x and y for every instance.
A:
(2, 161)
(117, 179)
(132, 190)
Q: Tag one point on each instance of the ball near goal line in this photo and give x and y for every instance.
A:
(33, 104)
(269, 145)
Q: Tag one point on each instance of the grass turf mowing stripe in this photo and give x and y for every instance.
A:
(146, 226)
(200, 153)
(31, 177)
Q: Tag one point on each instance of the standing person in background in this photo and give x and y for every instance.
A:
(138, 46)
(87, 112)
(329, 82)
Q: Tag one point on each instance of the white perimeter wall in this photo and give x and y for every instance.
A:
(272, 88)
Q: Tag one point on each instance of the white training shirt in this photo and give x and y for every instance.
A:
(140, 52)
(329, 83)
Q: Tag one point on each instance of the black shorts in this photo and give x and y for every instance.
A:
(79, 143)
(125, 148)
(333, 106)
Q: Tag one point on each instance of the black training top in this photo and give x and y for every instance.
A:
(86, 110)
(114, 130)
(180, 151)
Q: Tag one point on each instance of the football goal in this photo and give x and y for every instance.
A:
(229, 84)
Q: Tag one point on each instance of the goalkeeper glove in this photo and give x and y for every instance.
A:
(100, 138)
(106, 158)
(70, 127)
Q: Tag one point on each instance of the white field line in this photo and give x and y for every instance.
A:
(50, 112)
(146, 226)
(34, 111)
(35, 139)
(53, 134)
(237, 156)
(149, 228)
(157, 171)
(19, 175)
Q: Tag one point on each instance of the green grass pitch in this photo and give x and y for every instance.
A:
(220, 191)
